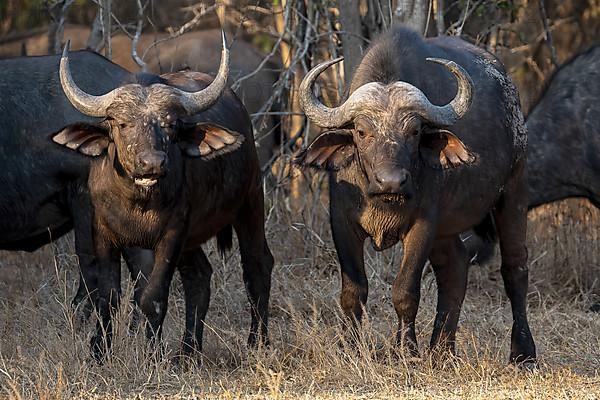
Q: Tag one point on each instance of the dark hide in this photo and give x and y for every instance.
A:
(206, 180)
(36, 175)
(445, 179)
(564, 141)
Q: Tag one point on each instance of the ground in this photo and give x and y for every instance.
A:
(44, 349)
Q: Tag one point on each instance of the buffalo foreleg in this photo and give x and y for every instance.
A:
(139, 262)
(450, 264)
(511, 221)
(406, 289)
(349, 244)
(155, 297)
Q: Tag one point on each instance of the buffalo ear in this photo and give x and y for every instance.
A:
(331, 150)
(209, 140)
(442, 149)
(87, 139)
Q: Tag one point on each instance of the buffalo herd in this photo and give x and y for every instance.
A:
(429, 143)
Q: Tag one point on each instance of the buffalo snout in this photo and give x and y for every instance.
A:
(151, 163)
(391, 181)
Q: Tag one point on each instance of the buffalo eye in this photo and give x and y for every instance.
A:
(361, 133)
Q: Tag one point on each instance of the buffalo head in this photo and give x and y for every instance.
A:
(144, 120)
(390, 130)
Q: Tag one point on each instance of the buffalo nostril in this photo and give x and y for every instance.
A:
(402, 178)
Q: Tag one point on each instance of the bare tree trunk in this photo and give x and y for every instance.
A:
(294, 123)
(106, 14)
(378, 17)
(351, 36)
(57, 11)
(413, 13)
(6, 24)
(438, 12)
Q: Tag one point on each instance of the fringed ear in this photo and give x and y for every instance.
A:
(209, 140)
(442, 149)
(87, 139)
(331, 150)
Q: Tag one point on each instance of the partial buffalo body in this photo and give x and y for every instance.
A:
(39, 180)
(564, 140)
(404, 169)
(173, 164)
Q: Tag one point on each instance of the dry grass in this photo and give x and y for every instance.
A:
(44, 349)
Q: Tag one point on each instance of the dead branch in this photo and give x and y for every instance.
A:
(457, 27)
(136, 37)
(547, 33)
(57, 10)
(105, 20)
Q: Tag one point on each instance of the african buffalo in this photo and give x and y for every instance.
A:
(563, 155)
(173, 164)
(404, 169)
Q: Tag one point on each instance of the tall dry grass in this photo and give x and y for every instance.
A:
(44, 347)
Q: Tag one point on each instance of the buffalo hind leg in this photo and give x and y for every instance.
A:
(195, 271)
(81, 212)
(109, 291)
(257, 264)
(449, 260)
(511, 221)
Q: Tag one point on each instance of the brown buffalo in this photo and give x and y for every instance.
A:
(403, 168)
(173, 164)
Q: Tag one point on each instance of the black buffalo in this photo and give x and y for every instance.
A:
(173, 164)
(404, 169)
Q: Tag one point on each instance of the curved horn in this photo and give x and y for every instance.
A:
(94, 106)
(458, 107)
(203, 99)
(315, 110)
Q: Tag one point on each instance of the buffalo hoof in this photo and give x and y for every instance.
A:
(186, 361)
(99, 346)
(256, 341)
(529, 366)
(82, 308)
(526, 364)
(443, 356)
